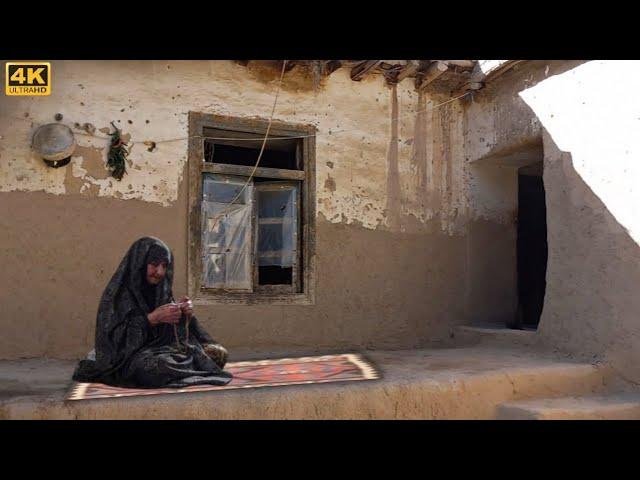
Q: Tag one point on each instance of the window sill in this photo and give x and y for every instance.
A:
(205, 298)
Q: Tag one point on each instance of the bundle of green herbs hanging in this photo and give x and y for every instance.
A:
(116, 160)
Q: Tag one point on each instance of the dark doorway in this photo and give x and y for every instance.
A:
(531, 245)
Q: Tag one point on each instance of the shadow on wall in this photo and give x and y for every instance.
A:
(591, 304)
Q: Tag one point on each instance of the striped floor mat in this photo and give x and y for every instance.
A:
(254, 374)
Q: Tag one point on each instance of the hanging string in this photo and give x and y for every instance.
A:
(264, 143)
(255, 167)
(228, 205)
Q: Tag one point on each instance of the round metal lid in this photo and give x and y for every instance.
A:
(54, 141)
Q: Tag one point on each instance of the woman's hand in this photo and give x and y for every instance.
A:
(169, 313)
(187, 305)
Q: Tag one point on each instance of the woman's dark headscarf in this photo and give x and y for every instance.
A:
(122, 326)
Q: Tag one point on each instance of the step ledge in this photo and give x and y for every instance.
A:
(496, 330)
(615, 406)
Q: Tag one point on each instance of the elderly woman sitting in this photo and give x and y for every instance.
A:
(143, 337)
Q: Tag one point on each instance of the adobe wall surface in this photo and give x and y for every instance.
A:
(501, 134)
(391, 205)
(591, 173)
(416, 204)
(581, 119)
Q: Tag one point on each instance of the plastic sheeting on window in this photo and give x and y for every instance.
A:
(277, 224)
(226, 233)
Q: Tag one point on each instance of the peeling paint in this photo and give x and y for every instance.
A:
(93, 161)
(353, 146)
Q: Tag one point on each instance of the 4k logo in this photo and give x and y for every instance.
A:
(28, 78)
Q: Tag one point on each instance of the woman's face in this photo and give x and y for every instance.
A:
(156, 272)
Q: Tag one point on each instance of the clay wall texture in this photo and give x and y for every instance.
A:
(416, 204)
(391, 203)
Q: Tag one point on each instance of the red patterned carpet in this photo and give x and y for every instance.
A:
(262, 373)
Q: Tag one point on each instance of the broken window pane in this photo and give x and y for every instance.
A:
(226, 232)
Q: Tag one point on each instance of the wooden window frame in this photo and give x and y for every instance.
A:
(307, 227)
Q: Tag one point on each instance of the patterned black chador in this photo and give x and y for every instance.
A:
(143, 337)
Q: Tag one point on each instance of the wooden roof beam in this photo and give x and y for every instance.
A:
(487, 70)
(362, 69)
(408, 70)
(461, 63)
(468, 87)
(434, 70)
(331, 66)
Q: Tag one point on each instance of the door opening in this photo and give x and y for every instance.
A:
(531, 246)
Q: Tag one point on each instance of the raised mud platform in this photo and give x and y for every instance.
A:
(478, 382)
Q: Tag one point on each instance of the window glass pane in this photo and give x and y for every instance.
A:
(214, 270)
(275, 203)
(224, 188)
(277, 225)
(226, 232)
(269, 237)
